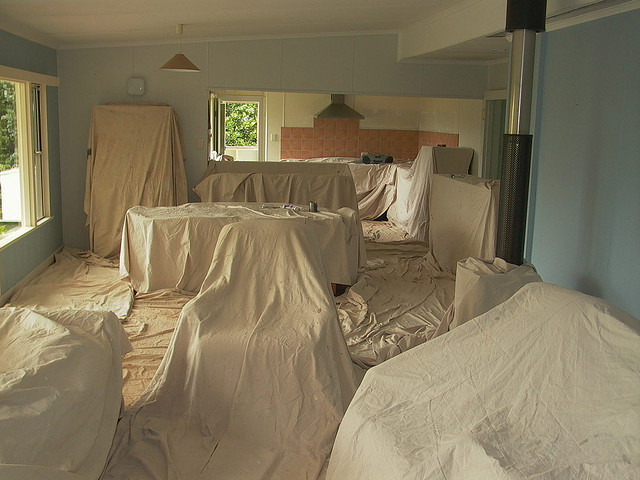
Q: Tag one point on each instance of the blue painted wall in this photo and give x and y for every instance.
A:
(585, 206)
(25, 254)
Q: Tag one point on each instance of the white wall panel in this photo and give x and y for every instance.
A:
(322, 64)
(498, 76)
(440, 115)
(390, 113)
(376, 70)
(299, 108)
(585, 201)
(250, 64)
(471, 129)
(456, 81)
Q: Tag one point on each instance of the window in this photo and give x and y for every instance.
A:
(23, 173)
(236, 127)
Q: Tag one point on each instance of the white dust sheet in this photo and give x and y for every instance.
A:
(77, 281)
(482, 285)
(136, 158)
(330, 185)
(149, 327)
(410, 210)
(463, 215)
(172, 247)
(544, 386)
(375, 184)
(257, 376)
(60, 392)
(382, 232)
(375, 187)
(396, 304)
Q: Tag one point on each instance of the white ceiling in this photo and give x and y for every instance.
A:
(94, 23)
(71, 23)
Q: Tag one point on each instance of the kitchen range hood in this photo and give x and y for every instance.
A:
(338, 109)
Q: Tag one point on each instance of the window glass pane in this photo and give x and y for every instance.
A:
(36, 132)
(241, 125)
(10, 181)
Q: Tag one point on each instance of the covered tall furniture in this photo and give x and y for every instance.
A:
(463, 218)
(135, 157)
(410, 211)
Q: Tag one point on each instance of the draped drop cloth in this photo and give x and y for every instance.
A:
(544, 386)
(172, 247)
(397, 303)
(77, 281)
(276, 168)
(375, 187)
(464, 218)
(410, 210)
(482, 285)
(375, 184)
(149, 326)
(60, 392)
(330, 185)
(382, 232)
(135, 158)
(257, 376)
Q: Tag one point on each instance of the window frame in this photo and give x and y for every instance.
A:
(26, 84)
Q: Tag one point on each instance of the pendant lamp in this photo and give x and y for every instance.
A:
(179, 63)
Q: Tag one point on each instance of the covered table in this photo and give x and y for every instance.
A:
(329, 185)
(257, 376)
(172, 247)
(375, 187)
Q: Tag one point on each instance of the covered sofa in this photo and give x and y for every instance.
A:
(60, 392)
(544, 386)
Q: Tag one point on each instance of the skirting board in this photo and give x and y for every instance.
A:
(6, 296)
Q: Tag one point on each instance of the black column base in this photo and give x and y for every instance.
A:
(514, 196)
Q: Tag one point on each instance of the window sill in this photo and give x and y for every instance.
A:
(17, 233)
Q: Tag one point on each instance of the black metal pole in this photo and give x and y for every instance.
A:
(524, 19)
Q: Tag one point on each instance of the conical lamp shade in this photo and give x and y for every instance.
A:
(179, 63)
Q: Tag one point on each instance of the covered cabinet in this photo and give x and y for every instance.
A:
(135, 157)
(410, 210)
(463, 218)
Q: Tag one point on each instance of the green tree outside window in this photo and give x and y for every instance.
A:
(8, 126)
(241, 125)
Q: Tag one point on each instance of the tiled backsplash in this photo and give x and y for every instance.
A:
(336, 137)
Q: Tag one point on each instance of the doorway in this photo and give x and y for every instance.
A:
(236, 127)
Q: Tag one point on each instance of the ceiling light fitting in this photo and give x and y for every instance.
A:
(179, 63)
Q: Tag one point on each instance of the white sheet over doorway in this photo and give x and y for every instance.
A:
(257, 376)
